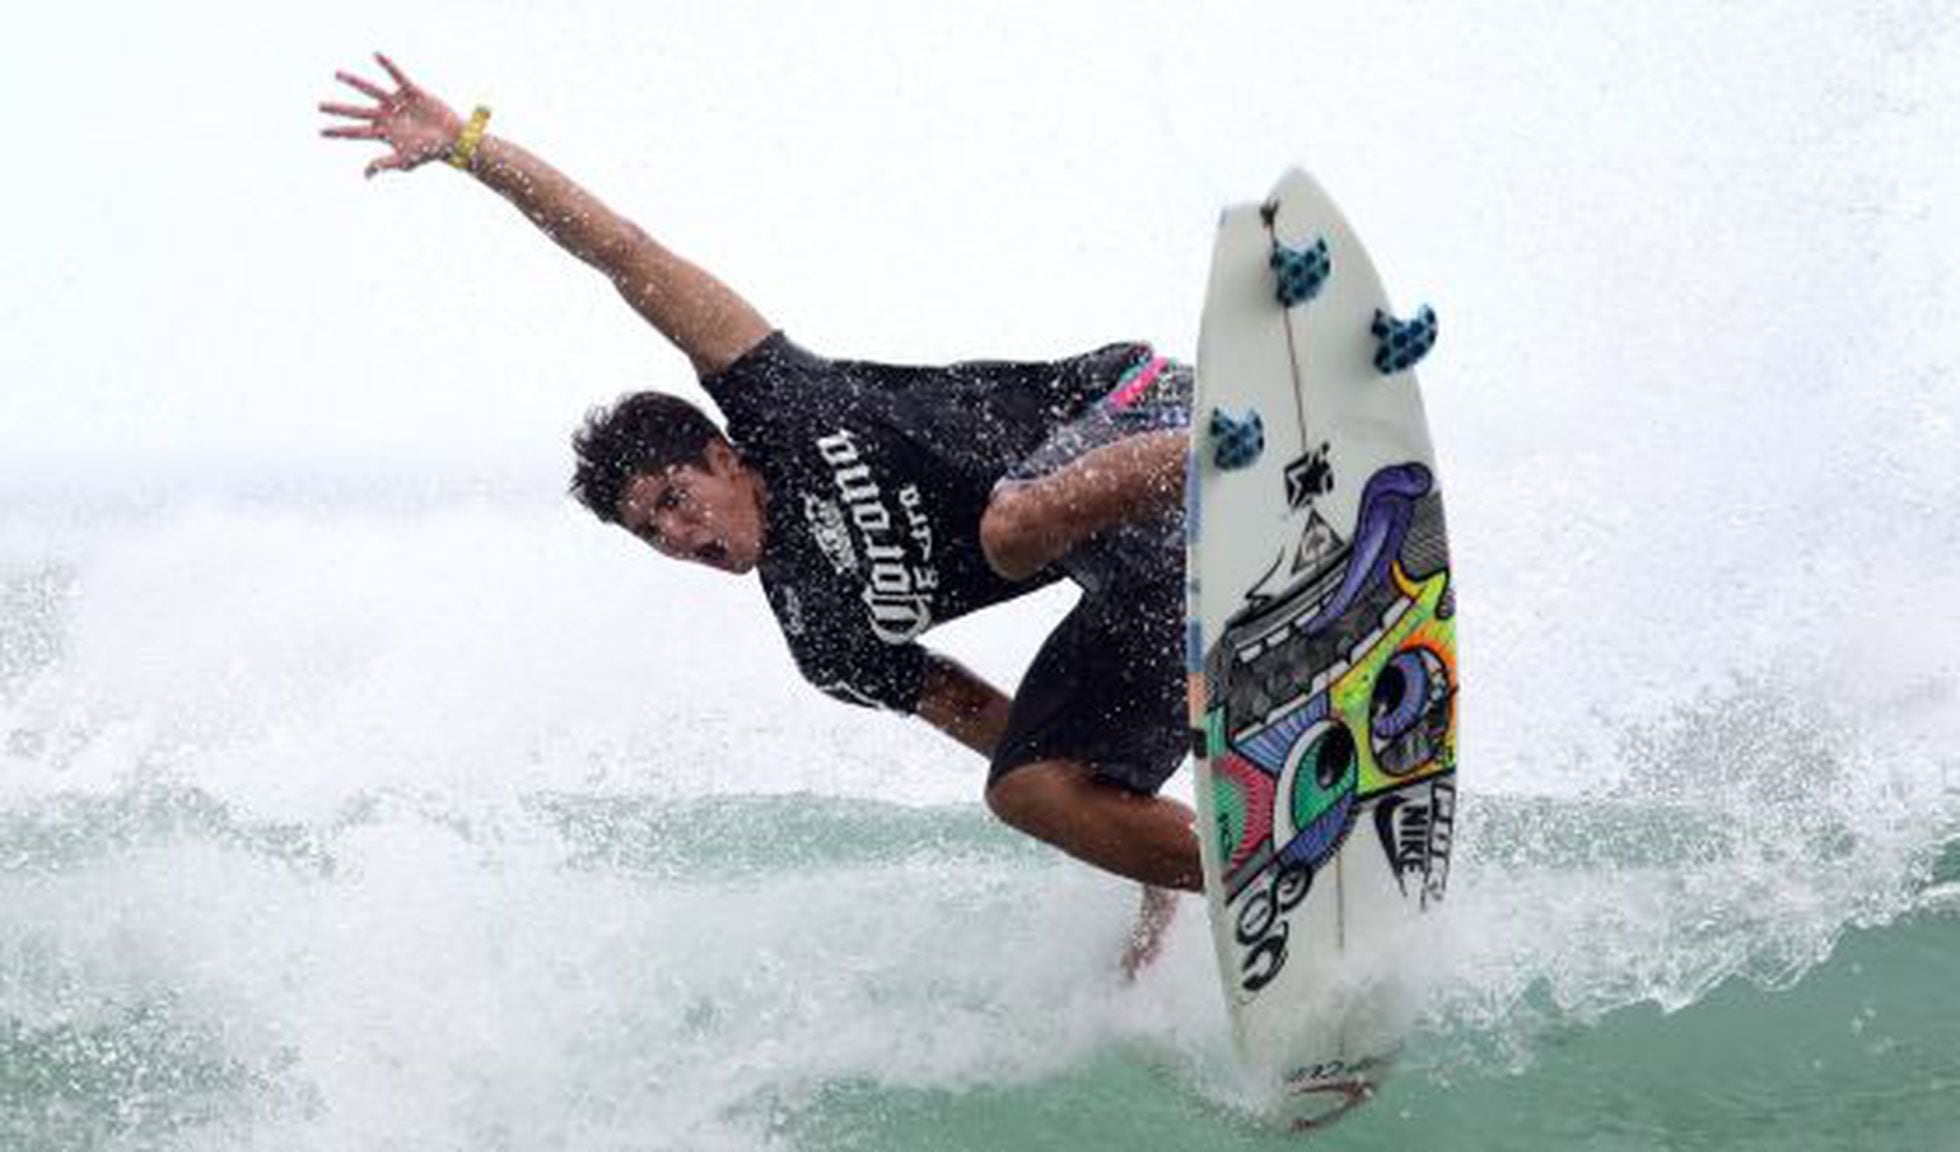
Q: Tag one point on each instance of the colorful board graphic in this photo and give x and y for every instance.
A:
(1322, 648)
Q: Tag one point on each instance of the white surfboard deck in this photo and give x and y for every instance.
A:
(1323, 662)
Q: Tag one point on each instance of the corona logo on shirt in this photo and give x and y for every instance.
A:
(898, 585)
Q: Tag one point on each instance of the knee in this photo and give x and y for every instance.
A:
(1017, 799)
(1038, 798)
(1005, 800)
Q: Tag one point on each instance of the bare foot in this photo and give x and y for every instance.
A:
(1147, 937)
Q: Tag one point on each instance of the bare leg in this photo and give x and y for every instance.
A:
(1146, 838)
(1147, 938)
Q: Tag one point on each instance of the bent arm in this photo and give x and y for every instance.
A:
(1028, 526)
(962, 705)
(704, 318)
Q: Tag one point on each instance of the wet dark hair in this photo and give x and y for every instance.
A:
(643, 433)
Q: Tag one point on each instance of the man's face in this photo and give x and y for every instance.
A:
(708, 515)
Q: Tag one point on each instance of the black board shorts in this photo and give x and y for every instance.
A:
(1107, 687)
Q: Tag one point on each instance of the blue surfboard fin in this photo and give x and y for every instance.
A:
(1302, 271)
(1236, 442)
(1399, 344)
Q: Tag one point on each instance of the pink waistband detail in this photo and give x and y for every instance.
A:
(1140, 380)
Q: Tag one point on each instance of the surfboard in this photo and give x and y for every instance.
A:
(1321, 650)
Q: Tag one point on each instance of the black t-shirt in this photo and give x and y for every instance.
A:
(878, 475)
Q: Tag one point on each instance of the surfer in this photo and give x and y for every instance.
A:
(876, 501)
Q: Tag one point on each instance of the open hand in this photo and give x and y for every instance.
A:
(415, 125)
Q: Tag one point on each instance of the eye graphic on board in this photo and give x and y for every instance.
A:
(1331, 757)
(1409, 712)
(1316, 793)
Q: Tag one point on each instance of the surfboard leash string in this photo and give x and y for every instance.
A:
(1269, 213)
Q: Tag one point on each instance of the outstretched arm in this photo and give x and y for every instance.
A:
(1028, 526)
(704, 318)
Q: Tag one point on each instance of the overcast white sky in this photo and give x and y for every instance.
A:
(1591, 193)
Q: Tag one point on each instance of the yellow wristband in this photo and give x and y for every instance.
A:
(470, 137)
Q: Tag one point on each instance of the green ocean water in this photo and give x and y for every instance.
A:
(619, 972)
(1861, 1053)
